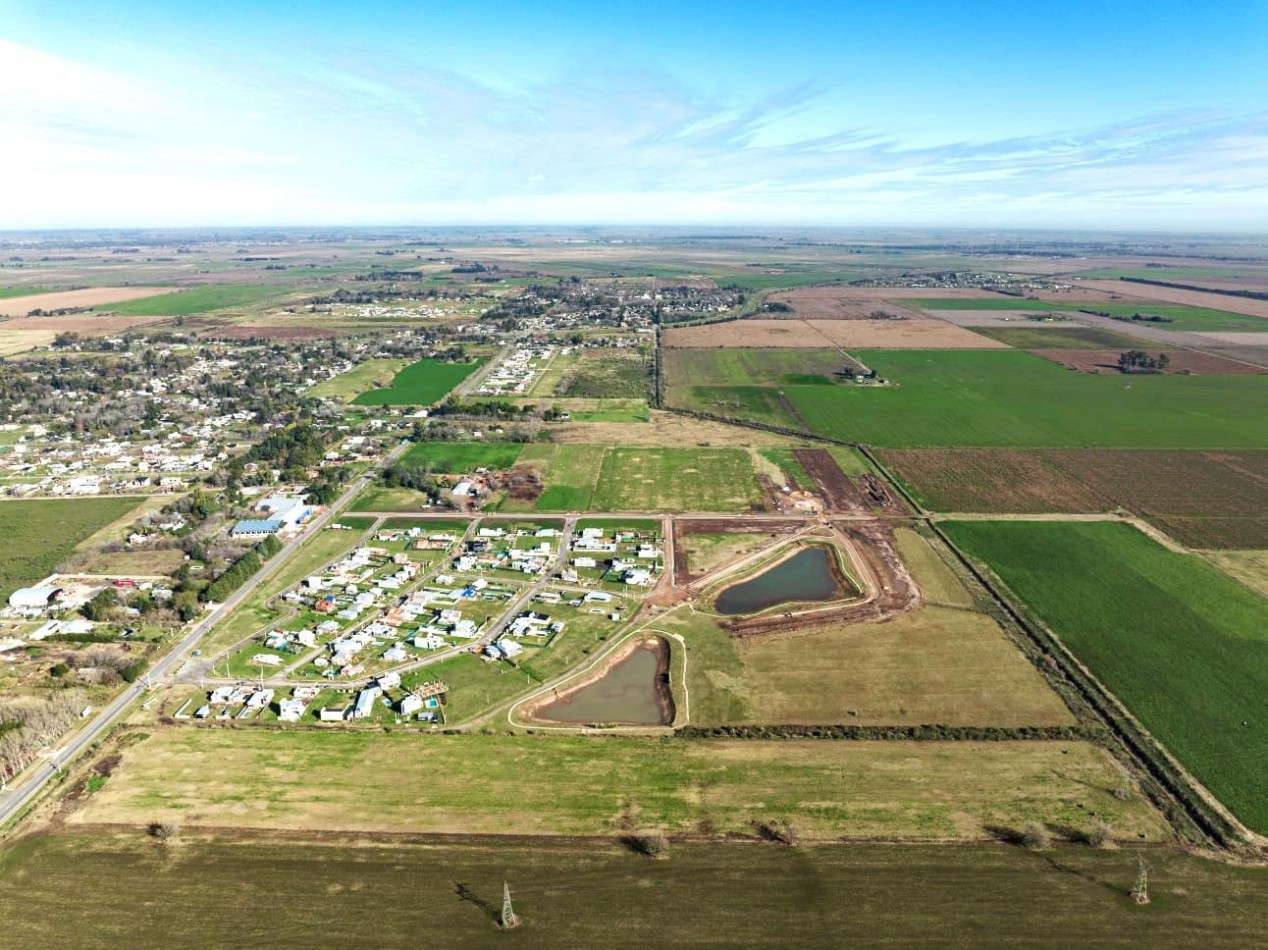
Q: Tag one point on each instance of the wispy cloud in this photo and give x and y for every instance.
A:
(354, 139)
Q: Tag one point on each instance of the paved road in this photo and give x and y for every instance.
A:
(15, 798)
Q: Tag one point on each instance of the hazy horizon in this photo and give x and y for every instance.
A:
(1112, 118)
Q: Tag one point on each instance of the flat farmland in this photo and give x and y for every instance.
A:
(991, 480)
(1179, 361)
(63, 890)
(1059, 336)
(666, 429)
(838, 303)
(419, 384)
(1184, 646)
(1249, 567)
(654, 479)
(561, 785)
(1011, 398)
(185, 302)
(869, 334)
(20, 306)
(1187, 298)
(43, 532)
(745, 367)
(1199, 497)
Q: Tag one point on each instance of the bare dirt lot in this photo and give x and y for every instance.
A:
(919, 334)
(1182, 361)
(1192, 298)
(89, 297)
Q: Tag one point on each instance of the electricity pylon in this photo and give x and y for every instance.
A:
(508, 919)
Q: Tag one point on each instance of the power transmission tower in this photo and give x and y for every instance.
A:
(1140, 892)
(508, 920)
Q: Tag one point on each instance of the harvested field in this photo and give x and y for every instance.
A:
(666, 429)
(1203, 499)
(23, 333)
(865, 334)
(1191, 298)
(837, 303)
(63, 299)
(1181, 361)
(1249, 567)
(238, 332)
(991, 480)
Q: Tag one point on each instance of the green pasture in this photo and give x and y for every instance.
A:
(419, 384)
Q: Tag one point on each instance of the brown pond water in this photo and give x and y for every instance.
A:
(634, 691)
(810, 574)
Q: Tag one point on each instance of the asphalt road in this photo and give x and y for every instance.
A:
(15, 798)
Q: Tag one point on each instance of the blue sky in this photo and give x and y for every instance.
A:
(1111, 115)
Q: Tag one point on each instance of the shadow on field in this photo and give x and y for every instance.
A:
(467, 896)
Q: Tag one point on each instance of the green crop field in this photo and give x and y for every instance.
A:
(7, 292)
(1060, 336)
(62, 890)
(195, 300)
(741, 367)
(655, 479)
(1169, 273)
(43, 532)
(759, 281)
(363, 376)
(571, 473)
(461, 458)
(1011, 398)
(1178, 641)
(419, 384)
(1180, 317)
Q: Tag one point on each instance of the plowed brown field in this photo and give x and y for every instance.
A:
(1182, 361)
(923, 334)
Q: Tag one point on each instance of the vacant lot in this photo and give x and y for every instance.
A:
(651, 479)
(868, 334)
(1179, 361)
(604, 375)
(372, 374)
(1182, 645)
(462, 458)
(343, 781)
(571, 472)
(41, 533)
(1069, 336)
(62, 890)
(419, 384)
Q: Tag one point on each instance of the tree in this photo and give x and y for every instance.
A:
(102, 606)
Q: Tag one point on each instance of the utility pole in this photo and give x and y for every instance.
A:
(508, 920)
(1140, 892)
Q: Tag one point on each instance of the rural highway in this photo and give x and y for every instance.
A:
(15, 798)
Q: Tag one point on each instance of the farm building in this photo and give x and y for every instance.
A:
(34, 599)
(256, 528)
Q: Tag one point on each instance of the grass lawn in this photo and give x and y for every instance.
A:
(562, 785)
(371, 374)
(43, 532)
(461, 458)
(654, 479)
(419, 384)
(1011, 398)
(62, 890)
(195, 300)
(1182, 645)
